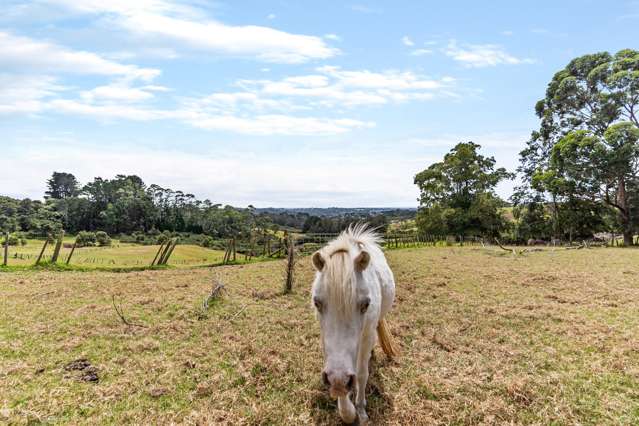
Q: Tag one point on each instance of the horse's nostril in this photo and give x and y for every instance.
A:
(325, 378)
(351, 382)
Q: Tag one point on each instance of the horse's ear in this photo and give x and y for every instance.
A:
(362, 261)
(318, 261)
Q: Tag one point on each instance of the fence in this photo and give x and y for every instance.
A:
(246, 248)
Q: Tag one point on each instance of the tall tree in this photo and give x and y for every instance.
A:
(62, 185)
(457, 195)
(604, 169)
(587, 119)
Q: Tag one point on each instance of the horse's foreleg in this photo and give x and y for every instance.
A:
(362, 378)
(346, 409)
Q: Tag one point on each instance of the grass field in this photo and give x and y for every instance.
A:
(487, 338)
(117, 256)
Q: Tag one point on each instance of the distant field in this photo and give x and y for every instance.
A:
(487, 338)
(118, 255)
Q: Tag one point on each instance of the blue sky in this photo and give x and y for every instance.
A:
(280, 103)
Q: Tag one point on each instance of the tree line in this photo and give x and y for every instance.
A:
(125, 205)
(578, 172)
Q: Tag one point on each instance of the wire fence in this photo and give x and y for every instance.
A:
(259, 246)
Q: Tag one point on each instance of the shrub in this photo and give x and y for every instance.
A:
(103, 239)
(86, 239)
(13, 240)
(162, 238)
(208, 242)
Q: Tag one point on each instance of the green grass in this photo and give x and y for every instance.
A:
(486, 338)
(118, 256)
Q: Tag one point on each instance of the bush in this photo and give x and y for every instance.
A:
(86, 239)
(14, 240)
(208, 242)
(103, 239)
(162, 238)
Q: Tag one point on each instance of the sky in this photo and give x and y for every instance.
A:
(280, 103)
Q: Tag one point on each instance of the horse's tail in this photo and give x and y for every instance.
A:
(386, 340)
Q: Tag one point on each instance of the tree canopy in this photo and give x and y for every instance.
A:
(585, 151)
(457, 194)
(62, 185)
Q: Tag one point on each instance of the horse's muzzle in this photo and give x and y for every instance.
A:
(340, 382)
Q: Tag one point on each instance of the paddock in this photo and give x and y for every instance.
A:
(486, 337)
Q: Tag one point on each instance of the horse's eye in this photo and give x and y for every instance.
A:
(318, 305)
(363, 307)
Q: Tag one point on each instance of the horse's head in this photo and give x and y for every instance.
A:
(346, 308)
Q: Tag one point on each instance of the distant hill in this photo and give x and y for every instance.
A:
(340, 211)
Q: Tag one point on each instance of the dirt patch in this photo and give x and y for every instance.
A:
(82, 370)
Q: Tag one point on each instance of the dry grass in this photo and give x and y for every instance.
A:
(118, 256)
(546, 338)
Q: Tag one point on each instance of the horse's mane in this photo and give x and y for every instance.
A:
(339, 256)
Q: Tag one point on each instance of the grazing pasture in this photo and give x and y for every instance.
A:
(119, 255)
(486, 337)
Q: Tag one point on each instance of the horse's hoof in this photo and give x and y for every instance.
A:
(346, 410)
(362, 418)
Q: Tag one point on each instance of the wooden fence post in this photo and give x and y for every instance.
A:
(46, 241)
(158, 253)
(164, 252)
(290, 265)
(58, 246)
(75, 243)
(264, 250)
(226, 253)
(233, 249)
(6, 248)
(169, 252)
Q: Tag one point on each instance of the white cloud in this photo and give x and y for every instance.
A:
(168, 21)
(482, 55)
(503, 140)
(116, 92)
(261, 107)
(271, 16)
(507, 33)
(278, 124)
(389, 80)
(333, 37)
(406, 41)
(362, 8)
(261, 124)
(26, 93)
(421, 52)
(318, 177)
(26, 54)
(334, 87)
(108, 111)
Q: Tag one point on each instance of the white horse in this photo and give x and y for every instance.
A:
(353, 290)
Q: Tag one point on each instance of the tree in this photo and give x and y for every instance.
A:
(585, 148)
(61, 186)
(604, 169)
(457, 195)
